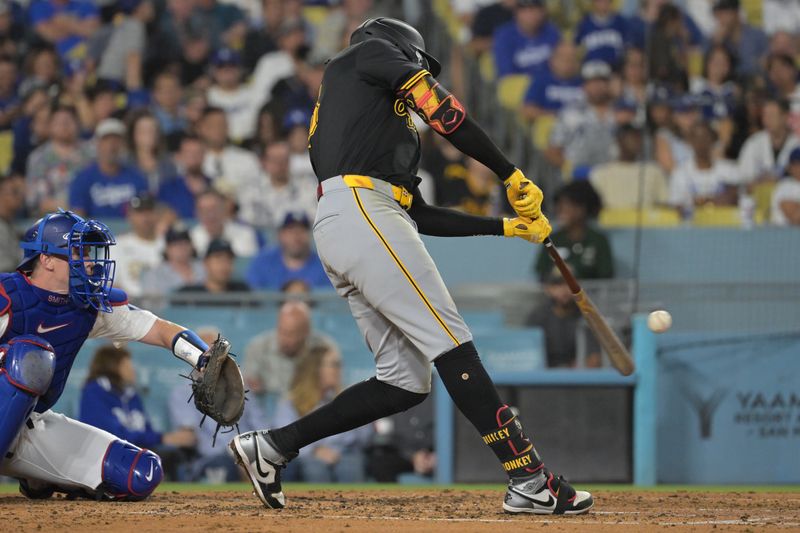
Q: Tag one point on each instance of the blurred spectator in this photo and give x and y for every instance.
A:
(295, 125)
(12, 28)
(261, 38)
(672, 142)
(214, 221)
(668, 49)
(618, 182)
(66, 24)
(224, 22)
(52, 166)
(12, 200)
(104, 188)
(765, 154)
(267, 129)
(316, 381)
(561, 322)
(180, 267)
(632, 83)
(270, 357)
(703, 179)
(641, 24)
(223, 161)
(141, 248)
(179, 37)
(292, 259)
(147, 149)
(180, 193)
(94, 105)
(583, 135)
(585, 249)
(279, 192)
(602, 33)
(487, 20)
(555, 87)
(218, 264)
(9, 101)
(717, 91)
(166, 106)
(123, 54)
(31, 128)
(230, 94)
(300, 90)
(782, 75)
(785, 209)
(524, 44)
(781, 16)
(747, 43)
(334, 32)
(41, 70)
(109, 401)
(402, 448)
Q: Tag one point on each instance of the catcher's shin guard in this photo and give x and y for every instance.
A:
(129, 472)
(27, 364)
(257, 454)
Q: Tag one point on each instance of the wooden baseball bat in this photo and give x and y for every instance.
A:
(616, 351)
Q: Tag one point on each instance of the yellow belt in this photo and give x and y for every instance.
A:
(401, 195)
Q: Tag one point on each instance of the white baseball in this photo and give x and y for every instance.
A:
(659, 321)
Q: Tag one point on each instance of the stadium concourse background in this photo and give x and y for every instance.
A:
(719, 389)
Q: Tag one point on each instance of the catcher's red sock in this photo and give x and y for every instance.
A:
(475, 395)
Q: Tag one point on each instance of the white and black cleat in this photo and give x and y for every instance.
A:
(257, 454)
(554, 496)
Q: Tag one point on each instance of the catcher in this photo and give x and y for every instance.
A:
(61, 295)
(365, 152)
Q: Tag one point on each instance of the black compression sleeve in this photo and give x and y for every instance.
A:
(470, 138)
(443, 222)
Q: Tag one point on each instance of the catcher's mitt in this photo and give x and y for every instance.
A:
(218, 389)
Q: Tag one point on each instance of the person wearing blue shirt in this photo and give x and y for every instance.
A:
(293, 259)
(181, 192)
(109, 401)
(104, 188)
(641, 25)
(603, 34)
(747, 43)
(66, 24)
(523, 45)
(557, 86)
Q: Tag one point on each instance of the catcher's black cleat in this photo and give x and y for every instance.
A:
(257, 454)
(546, 495)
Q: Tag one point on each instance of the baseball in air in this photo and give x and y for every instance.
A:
(659, 321)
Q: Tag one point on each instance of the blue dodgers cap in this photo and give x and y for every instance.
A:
(685, 103)
(295, 218)
(296, 117)
(225, 57)
(794, 156)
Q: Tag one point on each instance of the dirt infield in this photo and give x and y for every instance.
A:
(388, 510)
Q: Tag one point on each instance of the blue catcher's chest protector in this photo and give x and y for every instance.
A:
(54, 317)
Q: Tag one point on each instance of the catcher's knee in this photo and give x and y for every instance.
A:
(129, 472)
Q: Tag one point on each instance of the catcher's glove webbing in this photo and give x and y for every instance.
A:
(218, 387)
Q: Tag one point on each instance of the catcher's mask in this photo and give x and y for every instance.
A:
(402, 35)
(85, 245)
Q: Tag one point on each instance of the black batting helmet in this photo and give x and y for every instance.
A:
(402, 35)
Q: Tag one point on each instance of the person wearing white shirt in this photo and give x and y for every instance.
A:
(214, 222)
(229, 167)
(785, 209)
(781, 15)
(279, 192)
(703, 178)
(141, 248)
(765, 153)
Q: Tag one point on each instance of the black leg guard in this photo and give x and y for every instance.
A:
(360, 404)
(474, 393)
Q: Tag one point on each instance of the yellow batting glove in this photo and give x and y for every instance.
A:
(534, 231)
(523, 195)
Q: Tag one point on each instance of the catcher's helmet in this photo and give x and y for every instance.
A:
(84, 244)
(402, 35)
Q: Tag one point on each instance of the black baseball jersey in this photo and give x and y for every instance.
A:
(360, 124)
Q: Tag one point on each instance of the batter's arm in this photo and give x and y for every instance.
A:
(443, 222)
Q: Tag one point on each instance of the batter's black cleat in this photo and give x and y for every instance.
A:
(546, 494)
(257, 454)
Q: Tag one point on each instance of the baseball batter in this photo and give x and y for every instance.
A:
(365, 151)
(61, 295)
